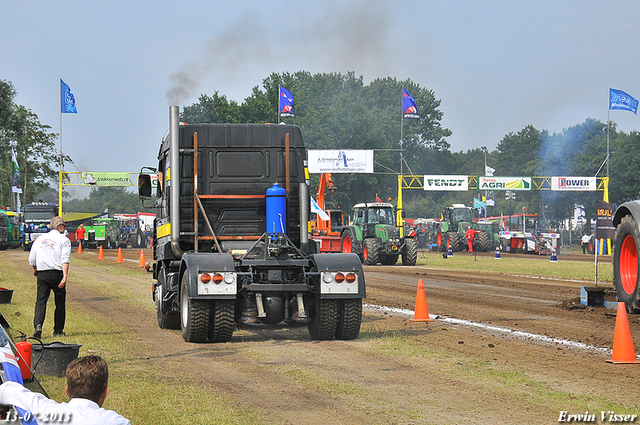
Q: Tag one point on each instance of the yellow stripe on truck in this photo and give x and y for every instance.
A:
(164, 230)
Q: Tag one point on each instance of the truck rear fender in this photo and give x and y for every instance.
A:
(631, 207)
(197, 265)
(329, 265)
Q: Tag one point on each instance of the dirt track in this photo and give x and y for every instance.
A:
(404, 372)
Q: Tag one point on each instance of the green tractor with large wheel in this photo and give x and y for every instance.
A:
(452, 229)
(626, 254)
(374, 236)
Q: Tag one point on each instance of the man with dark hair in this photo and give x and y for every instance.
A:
(49, 257)
(87, 379)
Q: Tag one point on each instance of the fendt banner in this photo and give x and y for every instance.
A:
(442, 183)
(504, 183)
(349, 161)
(585, 184)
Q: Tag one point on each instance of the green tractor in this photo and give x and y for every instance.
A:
(375, 237)
(453, 226)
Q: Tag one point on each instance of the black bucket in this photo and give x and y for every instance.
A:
(53, 358)
(5, 295)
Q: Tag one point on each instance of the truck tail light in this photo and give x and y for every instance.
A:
(217, 278)
(339, 277)
(205, 278)
(351, 277)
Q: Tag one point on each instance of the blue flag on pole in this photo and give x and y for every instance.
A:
(409, 108)
(285, 105)
(67, 101)
(621, 100)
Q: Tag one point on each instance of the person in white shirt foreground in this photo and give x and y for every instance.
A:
(49, 257)
(87, 379)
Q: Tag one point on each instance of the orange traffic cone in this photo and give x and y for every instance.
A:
(79, 248)
(119, 260)
(421, 313)
(100, 253)
(623, 351)
(141, 263)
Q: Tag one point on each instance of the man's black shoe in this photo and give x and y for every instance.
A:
(37, 333)
(61, 333)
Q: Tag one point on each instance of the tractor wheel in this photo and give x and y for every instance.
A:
(481, 242)
(349, 318)
(222, 321)
(194, 314)
(625, 264)
(324, 319)
(455, 239)
(442, 241)
(410, 252)
(166, 319)
(371, 252)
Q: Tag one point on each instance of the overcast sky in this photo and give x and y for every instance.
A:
(497, 66)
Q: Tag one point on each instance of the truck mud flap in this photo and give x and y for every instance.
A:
(341, 263)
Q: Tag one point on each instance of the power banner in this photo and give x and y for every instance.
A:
(442, 183)
(583, 184)
(504, 183)
(351, 161)
(604, 220)
(98, 178)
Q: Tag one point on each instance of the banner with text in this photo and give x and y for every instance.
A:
(504, 183)
(574, 183)
(442, 183)
(349, 161)
(99, 178)
(604, 220)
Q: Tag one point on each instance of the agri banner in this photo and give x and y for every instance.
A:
(585, 184)
(604, 220)
(99, 178)
(442, 183)
(504, 183)
(353, 161)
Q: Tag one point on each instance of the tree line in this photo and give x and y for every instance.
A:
(340, 111)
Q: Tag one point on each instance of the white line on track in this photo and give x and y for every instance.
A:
(506, 332)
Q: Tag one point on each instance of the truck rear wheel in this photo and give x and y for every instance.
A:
(625, 264)
(349, 318)
(324, 319)
(410, 252)
(371, 254)
(222, 321)
(166, 319)
(194, 314)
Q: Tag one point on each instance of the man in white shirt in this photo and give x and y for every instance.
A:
(586, 239)
(87, 379)
(49, 258)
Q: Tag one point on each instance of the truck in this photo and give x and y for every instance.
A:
(626, 220)
(102, 231)
(326, 232)
(373, 235)
(231, 242)
(37, 216)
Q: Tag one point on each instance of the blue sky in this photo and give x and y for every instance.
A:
(497, 66)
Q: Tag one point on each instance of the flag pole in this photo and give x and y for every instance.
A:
(61, 170)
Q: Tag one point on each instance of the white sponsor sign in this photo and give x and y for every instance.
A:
(504, 183)
(349, 161)
(574, 183)
(441, 183)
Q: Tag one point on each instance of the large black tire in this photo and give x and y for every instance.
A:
(625, 264)
(455, 239)
(481, 242)
(442, 240)
(166, 319)
(371, 253)
(410, 252)
(324, 319)
(194, 315)
(222, 324)
(347, 244)
(349, 319)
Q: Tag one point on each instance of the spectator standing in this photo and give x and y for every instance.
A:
(87, 379)
(49, 258)
(586, 240)
(80, 234)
